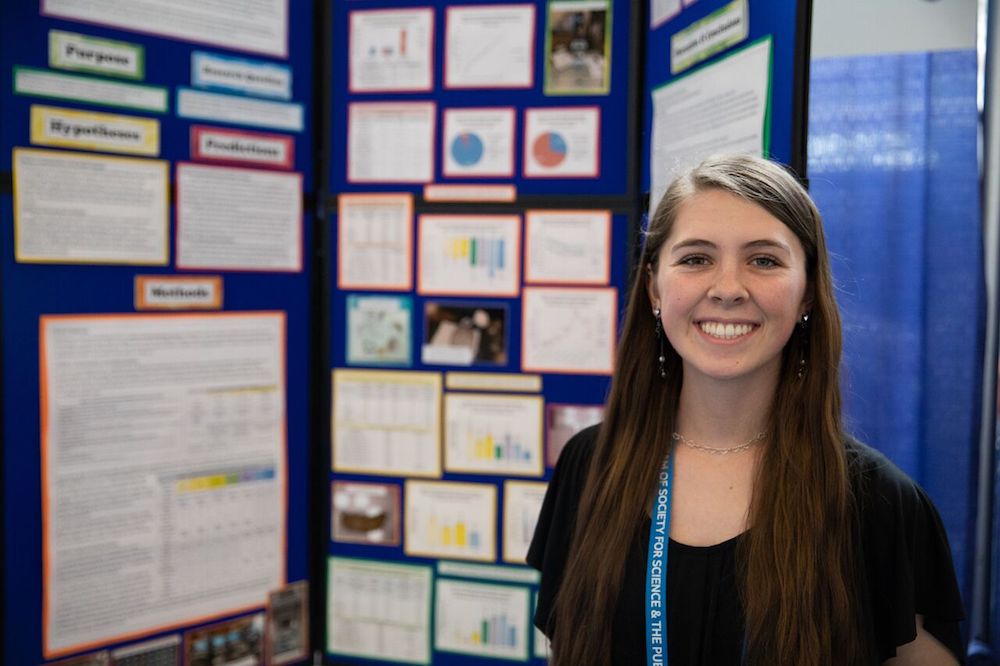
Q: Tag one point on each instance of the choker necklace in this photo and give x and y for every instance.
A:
(750, 443)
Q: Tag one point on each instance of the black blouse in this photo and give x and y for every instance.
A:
(907, 569)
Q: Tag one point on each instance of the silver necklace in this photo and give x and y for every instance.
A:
(750, 443)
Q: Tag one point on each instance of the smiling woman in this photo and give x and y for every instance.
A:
(723, 454)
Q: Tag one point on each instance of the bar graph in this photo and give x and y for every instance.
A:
(469, 254)
(450, 519)
(493, 434)
(482, 619)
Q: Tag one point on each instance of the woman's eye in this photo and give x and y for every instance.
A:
(764, 262)
(693, 260)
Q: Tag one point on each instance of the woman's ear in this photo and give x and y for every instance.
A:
(651, 288)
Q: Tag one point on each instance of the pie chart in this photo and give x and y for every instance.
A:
(467, 149)
(549, 149)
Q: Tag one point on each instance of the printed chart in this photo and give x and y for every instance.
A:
(448, 519)
(493, 434)
(522, 501)
(479, 619)
(469, 254)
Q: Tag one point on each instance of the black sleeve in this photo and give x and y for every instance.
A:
(557, 519)
(907, 559)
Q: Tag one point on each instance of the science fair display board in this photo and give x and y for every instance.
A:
(155, 323)
(723, 76)
(474, 302)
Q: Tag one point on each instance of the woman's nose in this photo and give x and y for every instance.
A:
(728, 286)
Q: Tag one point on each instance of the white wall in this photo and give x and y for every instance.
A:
(855, 27)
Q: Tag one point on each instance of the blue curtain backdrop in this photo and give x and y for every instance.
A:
(893, 168)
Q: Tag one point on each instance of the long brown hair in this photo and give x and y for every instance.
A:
(795, 564)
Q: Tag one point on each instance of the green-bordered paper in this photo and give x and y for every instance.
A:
(82, 53)
(56, 85)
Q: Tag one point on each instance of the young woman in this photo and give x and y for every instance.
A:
(789, 542)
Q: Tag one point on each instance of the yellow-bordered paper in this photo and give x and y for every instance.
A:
(488, 433)
(522, 500)
(52, 126)
(450, 519)
(76, 208)
(387, 422)
(493, 381)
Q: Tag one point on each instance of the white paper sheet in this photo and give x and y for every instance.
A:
(261, 25)
(569, 330)
(379, 610)
(392, 50)
(562, 142)
(74, 208)
(391, 142)
(243, 219)
(493, 434)
(450, 520)
(239, 110)
(387, 422)
(478, 142)
(567, 246)
(490, 46)
(720, 108)
(661, 11)
(481, 619)
(163, 461)
(469, 254)
(522, 501)
(375, 241)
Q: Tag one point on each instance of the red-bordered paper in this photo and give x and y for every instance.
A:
(242, 147)
(469, 255)
(276, 264)
(567, 247)
(562, 142)
(390, 43)
(569, 330)
(396, 146)
(478, 142)
(505, 64)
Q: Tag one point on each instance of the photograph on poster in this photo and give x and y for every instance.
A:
(562, 142)
(522, 501)
(365, 513)
(375, 241)
(578, 47)
(721, 107)
(450, 519)
(233, 218)
(164, 651)
(391, 142)
(288, 624)
(387, 422)
(481, 619)
(490, 46)
(564, 421)
(193, 478)
(475, 255)
(493, 434)
(570, 331)
(478, 142)
(464, 333)
(379, 330)
(89, 209)
(379, 610)
(238, 642)
(391, 50)
(567, 246)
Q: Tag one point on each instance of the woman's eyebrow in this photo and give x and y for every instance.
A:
(752, 245)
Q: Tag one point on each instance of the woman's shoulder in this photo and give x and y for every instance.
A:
(878, 482)
(578, 451)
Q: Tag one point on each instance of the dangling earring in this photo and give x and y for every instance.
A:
(662, 359)
(803, 329)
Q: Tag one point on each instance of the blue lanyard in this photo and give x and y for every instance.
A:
(656, 570)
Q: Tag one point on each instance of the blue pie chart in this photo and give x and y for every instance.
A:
(467, 149)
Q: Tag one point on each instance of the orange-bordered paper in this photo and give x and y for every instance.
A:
(375, 242)
(151, 425)
(178, 292)
(469, 255)
(567, 247)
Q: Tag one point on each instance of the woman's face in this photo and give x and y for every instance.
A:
(731, 283)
